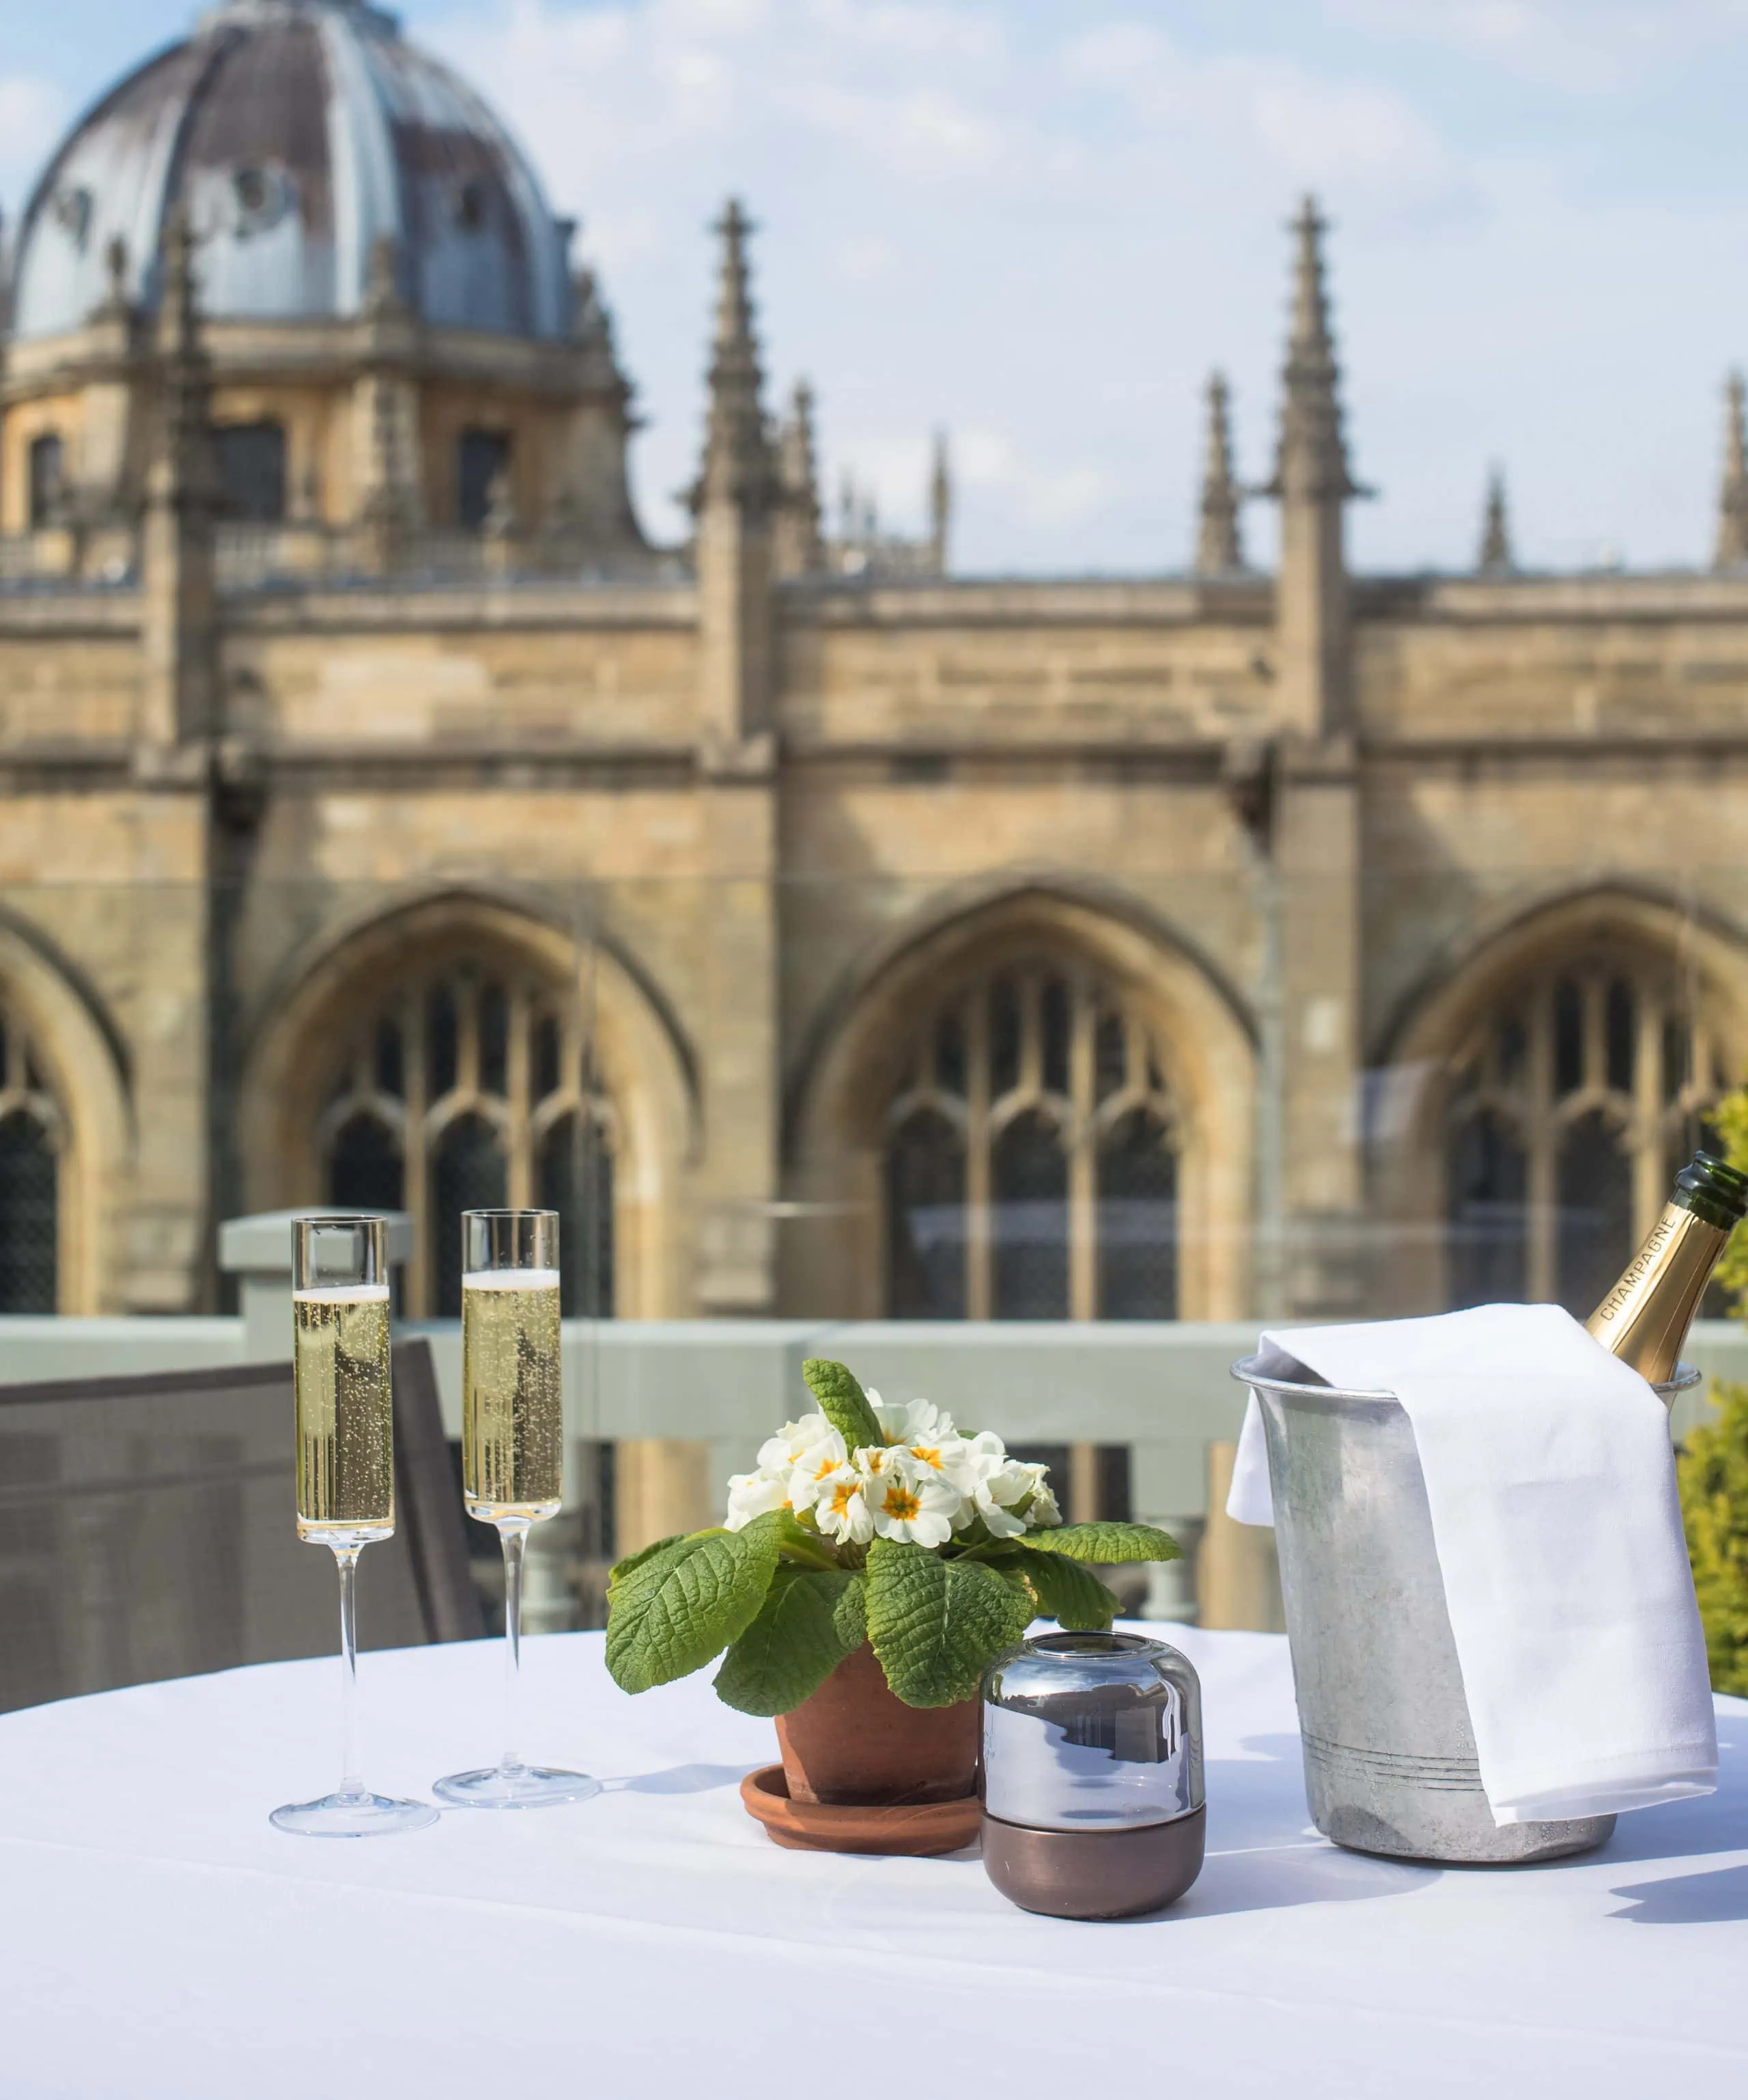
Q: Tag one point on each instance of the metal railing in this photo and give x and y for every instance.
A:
(683, 1404)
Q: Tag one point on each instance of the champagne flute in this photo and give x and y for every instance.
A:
(345, 1473)
(512, 1454)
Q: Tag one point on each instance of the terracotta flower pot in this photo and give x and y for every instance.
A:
(855, 1744)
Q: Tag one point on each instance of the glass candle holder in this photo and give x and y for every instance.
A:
(1091, 1777)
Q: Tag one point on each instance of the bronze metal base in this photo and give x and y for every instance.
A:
(1095, 1873)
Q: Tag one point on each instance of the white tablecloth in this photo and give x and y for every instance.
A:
(158, 1937)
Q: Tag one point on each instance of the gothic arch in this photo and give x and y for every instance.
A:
(92, 1130)
(842, 1093)
(641, 1066)
(1684, 980)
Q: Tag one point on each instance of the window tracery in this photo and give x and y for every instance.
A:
(469, 1087)
(1572, 1107)
(30, 1144)
(1032, 1151)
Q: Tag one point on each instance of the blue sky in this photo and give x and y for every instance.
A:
(1037, 224)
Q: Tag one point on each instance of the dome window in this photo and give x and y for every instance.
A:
(252, 472)
(48, 474)
(482, 467)
(260, 197)
(71, 208)
(467, 204)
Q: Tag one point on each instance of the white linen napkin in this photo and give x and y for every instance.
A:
(1552, 1490)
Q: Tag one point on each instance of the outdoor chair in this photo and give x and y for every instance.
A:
(147, 1530)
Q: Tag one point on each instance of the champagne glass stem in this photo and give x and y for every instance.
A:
(346, 1559)
(515, 1535)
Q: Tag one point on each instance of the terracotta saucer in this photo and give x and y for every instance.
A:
(919, 1832)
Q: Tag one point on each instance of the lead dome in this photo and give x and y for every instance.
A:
(393, 352)
(297, 135)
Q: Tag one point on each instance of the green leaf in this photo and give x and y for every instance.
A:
(676, 1609)
(842, 1402)
(1107, 1541)
(997, 1551)
(937, 1625)
(621, 1568)
(850, 1613)
(794, 1645)
(1067, 1593)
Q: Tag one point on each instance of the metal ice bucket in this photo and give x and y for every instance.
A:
(1389, 1753)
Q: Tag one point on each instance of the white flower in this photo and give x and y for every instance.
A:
(793, 1441)
(910, 1501)
(1042, 1509)
(841, 1511)
(948, 1454)
(818, 1463)
(752, 1494)
(995, 1495)
(1012, 1497)
(915, 1420)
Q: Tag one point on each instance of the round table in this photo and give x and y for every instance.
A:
(158, 1937)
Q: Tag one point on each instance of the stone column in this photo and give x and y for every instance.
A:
(1238, 1577)
(1313, 998)
(665, 1489)
(1323, 1269)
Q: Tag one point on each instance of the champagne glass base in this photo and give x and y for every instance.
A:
(514, 1786)
(359, 1815)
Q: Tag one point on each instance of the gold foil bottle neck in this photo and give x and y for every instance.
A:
(1645, 1319)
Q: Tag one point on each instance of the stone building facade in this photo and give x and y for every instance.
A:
(384, 820)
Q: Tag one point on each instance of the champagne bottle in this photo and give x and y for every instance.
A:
(1645, 1319)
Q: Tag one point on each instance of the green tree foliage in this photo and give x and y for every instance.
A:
(1712, 1470)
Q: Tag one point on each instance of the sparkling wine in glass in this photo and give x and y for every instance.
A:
(345, 1473)
(512, 1453)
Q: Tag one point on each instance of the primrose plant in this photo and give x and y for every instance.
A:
(864, 1523)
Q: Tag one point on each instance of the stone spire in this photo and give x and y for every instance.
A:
(1732, 548)
(1313, 486)
(799, 549)
(940, 503)
(384, 295)
(114, 306)
(1312, 459)
(178, 308)
(1495, 557)
(385, 410)
(738, 466)
(1218, 550)
(179, 605)
(736, 499)
(737, 502)
(587, 515)
(592, 331)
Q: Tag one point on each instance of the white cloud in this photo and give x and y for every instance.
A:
(991, 462)
(1584, 45)
(1041, 230)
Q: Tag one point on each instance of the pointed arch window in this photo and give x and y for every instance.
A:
(1031, 1156)
(46, 479)
(469, 1087)
(1573, 1104)
(252, 472)
(31, 1130)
